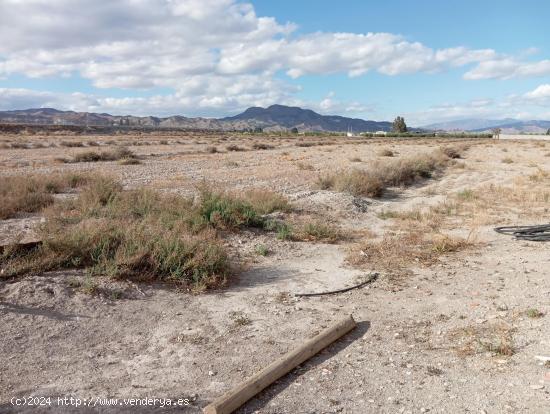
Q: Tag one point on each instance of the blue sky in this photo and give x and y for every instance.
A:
(427, 60)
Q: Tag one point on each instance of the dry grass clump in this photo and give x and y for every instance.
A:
(262, 146)
(29, 194)
(373, 181)
(71, 144)
(234, 148)
(495, 338)
(20, 145)
(398, 250)
(212, 150)
(318, 231)
(121, 153)
(386, 152)
(451, 152)
(507, 160)
(129, 161)
(266, 201)
(305, 166)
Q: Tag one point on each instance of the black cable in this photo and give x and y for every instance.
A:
(530, 233)
(372, 278)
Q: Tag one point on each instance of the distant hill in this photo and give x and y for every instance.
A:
(288, 117)
(273, 118)
(508, 126)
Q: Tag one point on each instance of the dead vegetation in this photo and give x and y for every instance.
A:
(496, 338)
(118, 154)
(374, 181)
(31, 194)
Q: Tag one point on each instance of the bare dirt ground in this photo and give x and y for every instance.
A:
(456, 335)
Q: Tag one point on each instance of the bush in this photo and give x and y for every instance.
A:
(122, 153)
(136, 233)
(71, 144)
(392, 173)
(29, 194)
(319, 231)
(225, 211)
(234, 147)
(261, 146)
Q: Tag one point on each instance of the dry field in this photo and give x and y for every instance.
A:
(168, 267)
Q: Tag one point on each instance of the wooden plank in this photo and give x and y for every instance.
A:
(236, 397)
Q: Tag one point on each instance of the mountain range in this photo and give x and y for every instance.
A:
(273, 118)
(507, 126)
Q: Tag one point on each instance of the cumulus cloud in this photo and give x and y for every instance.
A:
(146, 43)
(540, 95)
(507, 68)
(212, 54)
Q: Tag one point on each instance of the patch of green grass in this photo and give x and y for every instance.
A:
(534, 313)
(387, 214)
(261, 250)
(319, 231)
(284, 231)
(466, 195)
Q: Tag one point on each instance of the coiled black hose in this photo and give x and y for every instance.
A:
(531, 233)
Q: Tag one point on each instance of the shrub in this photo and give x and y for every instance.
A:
(392, 173)
(319, 231)
(266, 201)
(234, 147)
(261, 146)
(112, 155)
(136, 233)
(386, 153)
(220, 209)
(212, 150)
(71, 144)
(451, 152)
(29, 194)
(129, 161)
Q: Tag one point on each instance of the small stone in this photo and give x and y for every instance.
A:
(211, 373)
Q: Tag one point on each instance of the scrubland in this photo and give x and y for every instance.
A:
(169, 264)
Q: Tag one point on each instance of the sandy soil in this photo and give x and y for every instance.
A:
(406, 355)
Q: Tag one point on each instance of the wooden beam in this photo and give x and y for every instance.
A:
(236, 397)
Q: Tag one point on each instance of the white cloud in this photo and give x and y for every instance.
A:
(214, 55)
(507, 68)
(529, 105)
(540, 95)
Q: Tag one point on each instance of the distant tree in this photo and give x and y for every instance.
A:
(548, 132)
(399, 125)
(496, 132)
(294, 130)
(258, 130)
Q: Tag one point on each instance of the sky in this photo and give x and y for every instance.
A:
(427, 60)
